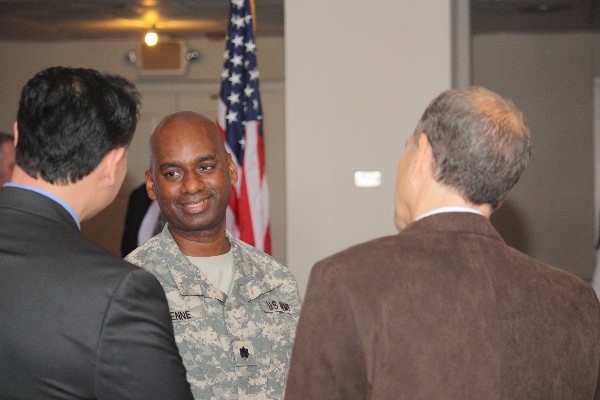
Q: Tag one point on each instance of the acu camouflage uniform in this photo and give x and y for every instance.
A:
(233, 347)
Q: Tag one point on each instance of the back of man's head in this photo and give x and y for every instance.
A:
(480, 143)
(69, 119)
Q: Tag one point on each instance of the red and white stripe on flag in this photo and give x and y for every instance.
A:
(240, 121)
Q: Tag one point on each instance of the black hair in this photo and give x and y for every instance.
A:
(70, 118)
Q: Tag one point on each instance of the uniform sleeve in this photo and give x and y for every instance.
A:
(327, 359)
(137, 354)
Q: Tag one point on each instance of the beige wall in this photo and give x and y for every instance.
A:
(358, 76)
(550, 214)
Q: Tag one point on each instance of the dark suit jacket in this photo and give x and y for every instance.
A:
(77, 322)
(444, 310)
(139, 202)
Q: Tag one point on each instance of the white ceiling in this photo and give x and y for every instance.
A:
(82, 19)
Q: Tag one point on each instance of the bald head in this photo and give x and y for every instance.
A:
(169, 127)
(190, 175)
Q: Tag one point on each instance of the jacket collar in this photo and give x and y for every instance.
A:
(34, 203)
(458, 222)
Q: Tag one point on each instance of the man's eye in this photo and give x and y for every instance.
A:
(171, 174)
(206, 168)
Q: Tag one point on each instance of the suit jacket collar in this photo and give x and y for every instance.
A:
(33, 203)
(454, 222)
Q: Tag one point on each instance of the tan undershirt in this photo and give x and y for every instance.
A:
(217, 269)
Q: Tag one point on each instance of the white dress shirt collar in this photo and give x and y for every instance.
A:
(448, 210)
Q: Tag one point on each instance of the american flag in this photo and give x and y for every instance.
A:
(240, 121)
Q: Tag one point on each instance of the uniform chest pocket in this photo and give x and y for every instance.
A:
(283, 312)
(199, 333)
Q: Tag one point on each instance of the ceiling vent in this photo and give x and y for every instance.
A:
(166, 58)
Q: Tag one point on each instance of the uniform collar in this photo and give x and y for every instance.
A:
(250, 281)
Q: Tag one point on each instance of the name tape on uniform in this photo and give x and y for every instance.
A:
(276, 306)
(181, 315)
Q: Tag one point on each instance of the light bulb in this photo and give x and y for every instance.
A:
(151, 38)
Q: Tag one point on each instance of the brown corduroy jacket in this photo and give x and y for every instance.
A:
(444, 310)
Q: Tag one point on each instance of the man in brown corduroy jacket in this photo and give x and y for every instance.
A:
(445, 309)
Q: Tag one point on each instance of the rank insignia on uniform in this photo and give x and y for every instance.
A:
(244, 352)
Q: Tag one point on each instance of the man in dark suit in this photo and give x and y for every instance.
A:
(77, 322)
(445, 309)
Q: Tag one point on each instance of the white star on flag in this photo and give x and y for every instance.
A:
(231, 116)
(238, 21)
(237, 60)
(250, 46)
(234, 98)
(238, 41)
(235, 79)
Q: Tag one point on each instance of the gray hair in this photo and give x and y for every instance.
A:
(480, 143)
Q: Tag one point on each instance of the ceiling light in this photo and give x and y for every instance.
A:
(151, 38)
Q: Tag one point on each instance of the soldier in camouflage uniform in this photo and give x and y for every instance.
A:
(234, 334)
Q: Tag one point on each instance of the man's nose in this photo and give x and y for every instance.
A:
(192, 183)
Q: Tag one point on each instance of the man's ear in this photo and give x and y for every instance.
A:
(15, 134)
(423, 160)
(110, 164)
(232, 169)
(150, 185)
